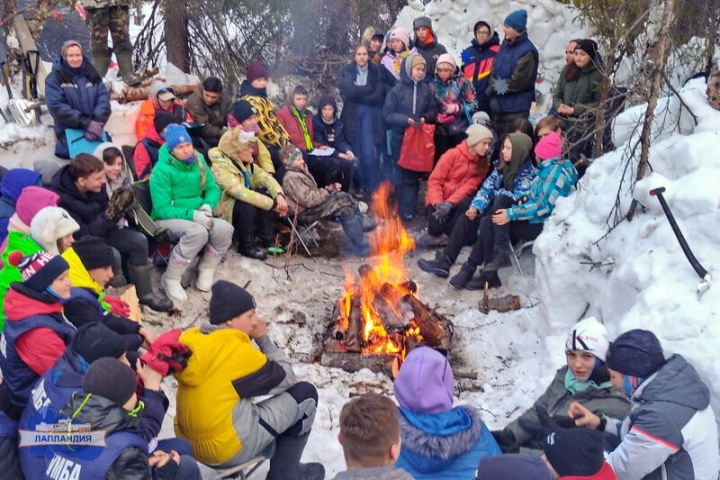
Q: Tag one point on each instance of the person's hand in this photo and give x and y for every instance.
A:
(351, 156)
(117, 305)
(344, 156)
(94, 131)
(451, 108)
(583, 417)
(148, 335)
(411, 122)
(422, 120)
(159, 458)
(151, 378)
(471, 213)
(324, 147)
(259, 330)
(337, 186)
(501, 217)
(207, 209)
(281, 206)
(203, 219)
(442, 211)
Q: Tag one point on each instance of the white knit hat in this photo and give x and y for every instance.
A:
(50, 225)
(589, 335)
(476, 133)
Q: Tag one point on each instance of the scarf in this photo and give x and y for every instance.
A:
(575, 386)
(362, 76)
(521, 147)
(398, 58)
(429, 38)
(306, 135)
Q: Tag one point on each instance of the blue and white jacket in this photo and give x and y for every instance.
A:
(493, 185)
(556, 177)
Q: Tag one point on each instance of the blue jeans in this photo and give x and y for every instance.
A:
(368, 165)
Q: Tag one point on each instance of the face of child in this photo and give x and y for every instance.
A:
(328, 113)
(582, 59)
(183, 151)
(247, 322)
(616, 378)
(93, 182)
(444, 71)
(65, 242)
(544, 132)
(73, 57)
(61, 285)
(101, 275)
(250, 124)
(581, 363)
(422, 33)
(418, 72)
(482, 147)
(361, 56)
(112, 170)
(166, 105)
(375, 45)
(259, 83)
(299, 101)
(505, 153)
(397, 45)
(482, 35)
(246, 155)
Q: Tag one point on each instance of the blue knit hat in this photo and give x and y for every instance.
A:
(39, 270)
(176, 134)
(517, 20)
(637, 353)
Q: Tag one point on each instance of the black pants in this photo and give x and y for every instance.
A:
(464, 232)
(329, 170)
(436, 228)
(277, 163)
(132, 245)
(443, 143)
(250, 221)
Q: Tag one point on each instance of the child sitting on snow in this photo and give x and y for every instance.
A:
(370, 437)
(311, 203)
(439, 441)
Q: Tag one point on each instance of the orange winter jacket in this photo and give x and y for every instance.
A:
(458, 174)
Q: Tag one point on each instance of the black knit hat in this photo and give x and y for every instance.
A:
(94, 340)
(228, 301)
(163, 119)
(588, 46)
(111, 379)
(94, 252)
(637, 353)
(574, 451)
(39, 270)
(242, 110)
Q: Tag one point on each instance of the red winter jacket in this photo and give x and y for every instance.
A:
(458, 174)
(290, 122)
(142, 160)
(606, 473)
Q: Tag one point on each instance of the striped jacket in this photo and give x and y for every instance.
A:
(493, 185)
(556, 177)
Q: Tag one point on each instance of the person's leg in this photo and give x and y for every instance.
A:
(190, 238)
(180, 445)
(434, 228)
(319, 168)
(98, 23)
(189, 469)
(477, 254)
(525, 231)
(456, 214)
(132, 245)
(277, 163)
(464, 233)
(367, 154)
(409, 194)
(219, 241)
(346, 171)
(245, 218)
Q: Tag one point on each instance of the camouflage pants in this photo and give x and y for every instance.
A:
(114, 19)
(340, 204)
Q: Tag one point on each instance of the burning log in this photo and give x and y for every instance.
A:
(501, 304)
(390, 318)
(430, 329)
(354, 362)
(354, 335)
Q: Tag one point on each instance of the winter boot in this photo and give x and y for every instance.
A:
(369, 224)
(429, 241)
(265, 230)
(171, 278)
(285, 463)
(101, 62)
(206, 269)
(463, 276)
(140, 276)
(491, 279)
(248, 248)
(117, 281)
(124, 60)
(439, 267)
(500, 258)
(353, 228)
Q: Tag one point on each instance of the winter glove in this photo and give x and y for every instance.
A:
(451, 108)
(207, 209)
(94, 131)
(167, 355)
(506, 441)
(444, 118)
(203, 219)
(442, 211)
(117, 305)
(121, 201)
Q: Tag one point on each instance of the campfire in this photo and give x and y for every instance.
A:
(380, 318)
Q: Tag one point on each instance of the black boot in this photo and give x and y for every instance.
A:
(439, 267)
(463, 276)
(285, 463)
(353, 228)
(491, 279)
(140, 277)
(248, 248)
(499, 259)
(265, 230)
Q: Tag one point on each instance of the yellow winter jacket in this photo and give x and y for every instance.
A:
(206, 397)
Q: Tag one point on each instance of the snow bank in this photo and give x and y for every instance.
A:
(637, 276)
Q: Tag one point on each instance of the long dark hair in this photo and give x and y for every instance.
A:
(572, 72)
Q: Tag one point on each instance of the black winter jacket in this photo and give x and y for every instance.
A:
(409, 99)
(372, 95)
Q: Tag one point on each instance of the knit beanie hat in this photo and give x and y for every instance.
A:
(242, 110)
(477, 133)
(513, 466)
(228, 301)
(550, 146)
(483, 23)
(293, 157)
(588, 46)
(256, 70)
(446, 58)
(94, 252)
(637, 353)
(33, 199)
(401, 34)
(425, 383)
(50, 225)
(517, 20)
(481, 118)
(110, 378)
(175, 135)
(574, 451)
(163, 119)
(39, 270)
(588, 335)
(94, 340)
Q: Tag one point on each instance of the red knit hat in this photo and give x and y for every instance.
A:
(549, 147)
(256, 70)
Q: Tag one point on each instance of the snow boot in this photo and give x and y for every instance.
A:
(353, 228)
(248, 248)
(500, 258)
(171, 278)
(369, 224)
(127, 73)
(285, 463)
(265, 231)
(429, 241)
(439, 267)
(101, 62)
(492, 279)
(140, 277)
(463, 276)
(206, 269)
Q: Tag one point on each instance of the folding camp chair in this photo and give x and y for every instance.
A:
(301, 233)
(516, 253)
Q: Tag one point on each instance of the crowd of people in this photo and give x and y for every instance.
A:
(208, 173)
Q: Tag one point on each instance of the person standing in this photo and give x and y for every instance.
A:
(477, 61)
(426, 43)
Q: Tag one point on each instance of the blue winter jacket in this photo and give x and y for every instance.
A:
(75, 97)
(556, 177)
(12, 185)
(493, 185)
(446, 445)
(509, 100)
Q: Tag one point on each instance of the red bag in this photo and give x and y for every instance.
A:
(418, 148)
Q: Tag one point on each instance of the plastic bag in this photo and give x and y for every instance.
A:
(418, 148)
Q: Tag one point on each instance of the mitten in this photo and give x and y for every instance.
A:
(442, 211)
(167, 355)
(451, 108)
(117, 305)
(206, 208)
(203, 219)
(94, 131)
(121, 201)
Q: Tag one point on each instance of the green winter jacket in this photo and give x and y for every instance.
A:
(9, 273)
(177, 189)
(582, 94)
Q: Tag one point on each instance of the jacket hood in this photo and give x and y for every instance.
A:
(124, 177)
(425, 383)
(22, 302)
(521, 148)
(101, 414)
(15, 180)
(155, 90)
(676, 382)
(494, 40)
(406, 68)
(78, 274)
(204, 345)
(62, 182)
(433, 440)
(33, 199)
(68, 371)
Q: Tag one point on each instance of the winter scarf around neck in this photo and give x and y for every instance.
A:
(521, 147)
(362, 76)
(575, 386)
(303, 124)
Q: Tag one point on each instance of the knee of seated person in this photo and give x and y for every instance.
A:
(503, 201)
(196, 233)
(302, 391)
